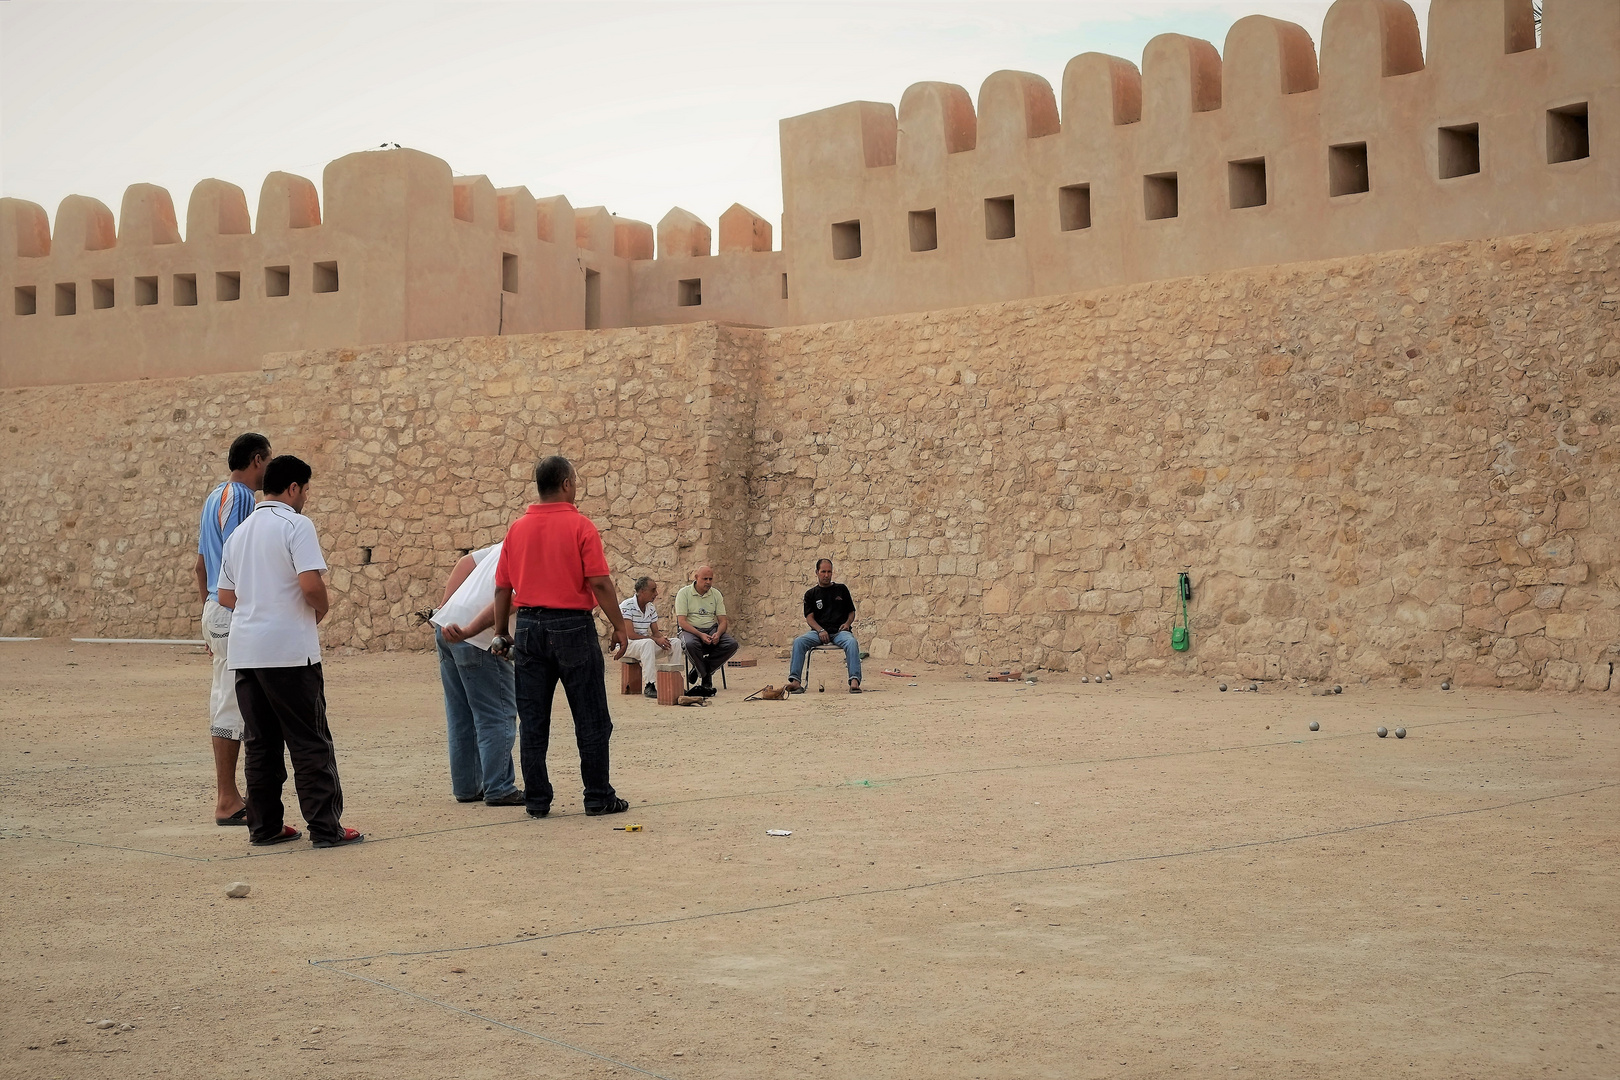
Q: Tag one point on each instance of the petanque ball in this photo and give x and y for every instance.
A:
(1254, 688)
(1085, 678)
(1223, 688)
(1315, 726)
(1337, 689)
(1445, 686)
(1382, 732)
(1400, 733)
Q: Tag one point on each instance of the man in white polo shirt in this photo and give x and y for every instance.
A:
(270, 578)
(647, 638)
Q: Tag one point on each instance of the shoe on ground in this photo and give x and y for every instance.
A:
(651, 690)
(615, 806)
(471, 798)
(516, 798)
(539, 811)
(702, 691)
(286, 834)
(795, 687)
(349, 836)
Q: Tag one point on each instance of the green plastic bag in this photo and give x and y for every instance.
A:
(1181, 636)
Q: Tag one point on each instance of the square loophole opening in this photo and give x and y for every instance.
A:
(67, 298)
(1246, 182)
(101, 293)
(1568, 137)
(325, 277)
(689, 292)
(1161, 196)
(509, 272)
(1347, 169)
(1074, 207)
(228, 285)
(185, 290)
(24, 301)
(278, 281)
(1000, 218)
(923, 226)
(846, 239)
(146, 291)
(1459, 151)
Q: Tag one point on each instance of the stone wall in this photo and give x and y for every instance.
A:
(1403, 466)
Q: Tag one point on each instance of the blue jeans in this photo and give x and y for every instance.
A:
(843, 639)
(480, 711)
(552, 646)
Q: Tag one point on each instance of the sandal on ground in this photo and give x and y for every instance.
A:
(854, 686)
(287, 833)
(238, 818)
(614, 806)
(350, 836)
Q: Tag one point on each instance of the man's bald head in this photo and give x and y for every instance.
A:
(703, 578)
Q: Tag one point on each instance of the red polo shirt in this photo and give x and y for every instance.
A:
(548, 554)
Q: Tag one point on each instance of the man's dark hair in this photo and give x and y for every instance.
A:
(642, 582)
(247, 447)
(552, 473)
(283, 472)
(820, 561)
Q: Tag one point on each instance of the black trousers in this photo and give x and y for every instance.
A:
(285, 708)
(554, 646)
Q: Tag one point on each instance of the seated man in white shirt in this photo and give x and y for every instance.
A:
(647, 638)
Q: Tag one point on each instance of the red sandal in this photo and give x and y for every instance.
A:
(350, 836)
(287, 833)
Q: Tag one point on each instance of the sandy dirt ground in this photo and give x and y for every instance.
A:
(1141, 878)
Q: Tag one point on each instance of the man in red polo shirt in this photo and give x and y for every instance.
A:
(553, 570)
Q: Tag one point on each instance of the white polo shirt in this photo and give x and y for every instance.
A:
(272, 626)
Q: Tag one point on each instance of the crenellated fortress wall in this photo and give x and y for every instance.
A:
(1201, 161)
(1197, 161)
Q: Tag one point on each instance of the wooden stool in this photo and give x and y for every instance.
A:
(671, 685)
(630, 677)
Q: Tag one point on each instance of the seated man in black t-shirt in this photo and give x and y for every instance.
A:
(828, 611)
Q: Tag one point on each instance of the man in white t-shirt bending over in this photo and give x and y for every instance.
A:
(647, 638)
(480, 688)
(270, 578)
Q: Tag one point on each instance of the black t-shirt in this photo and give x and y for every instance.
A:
(829, 606)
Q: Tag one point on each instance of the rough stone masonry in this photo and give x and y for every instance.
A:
(1402, 466)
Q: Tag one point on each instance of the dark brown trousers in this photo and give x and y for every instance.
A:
(284, 708)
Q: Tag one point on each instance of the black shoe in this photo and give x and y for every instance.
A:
(651, 690)
(539, 811)
(514, 799)
(615, 806)
(471, 798)
(700, 691)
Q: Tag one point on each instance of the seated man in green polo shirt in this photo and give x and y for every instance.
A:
(700, 612)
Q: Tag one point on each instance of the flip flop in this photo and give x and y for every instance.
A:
(854, 687)
(287, 833)
(238, 818)
(350, 836)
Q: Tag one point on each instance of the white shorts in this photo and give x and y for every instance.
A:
(225, 718)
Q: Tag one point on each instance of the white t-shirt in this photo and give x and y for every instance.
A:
(472, 596)
(272, 626)
(637, 617)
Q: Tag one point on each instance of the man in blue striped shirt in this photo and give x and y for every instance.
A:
(227, 506)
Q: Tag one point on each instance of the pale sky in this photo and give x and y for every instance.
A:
(636, 106)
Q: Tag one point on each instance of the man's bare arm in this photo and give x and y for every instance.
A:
(720, 626)
(608, 598)
(314, 590)
(202, 577)
(481, 622)
(227, 598)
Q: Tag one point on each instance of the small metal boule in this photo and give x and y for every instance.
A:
(1223, 688)
(1445, 686)
(1337, 689)
(1085, 678)
(1315, 726)
(1382, 731)
(1400, 733)
(1109, 675)
(1254, 688)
